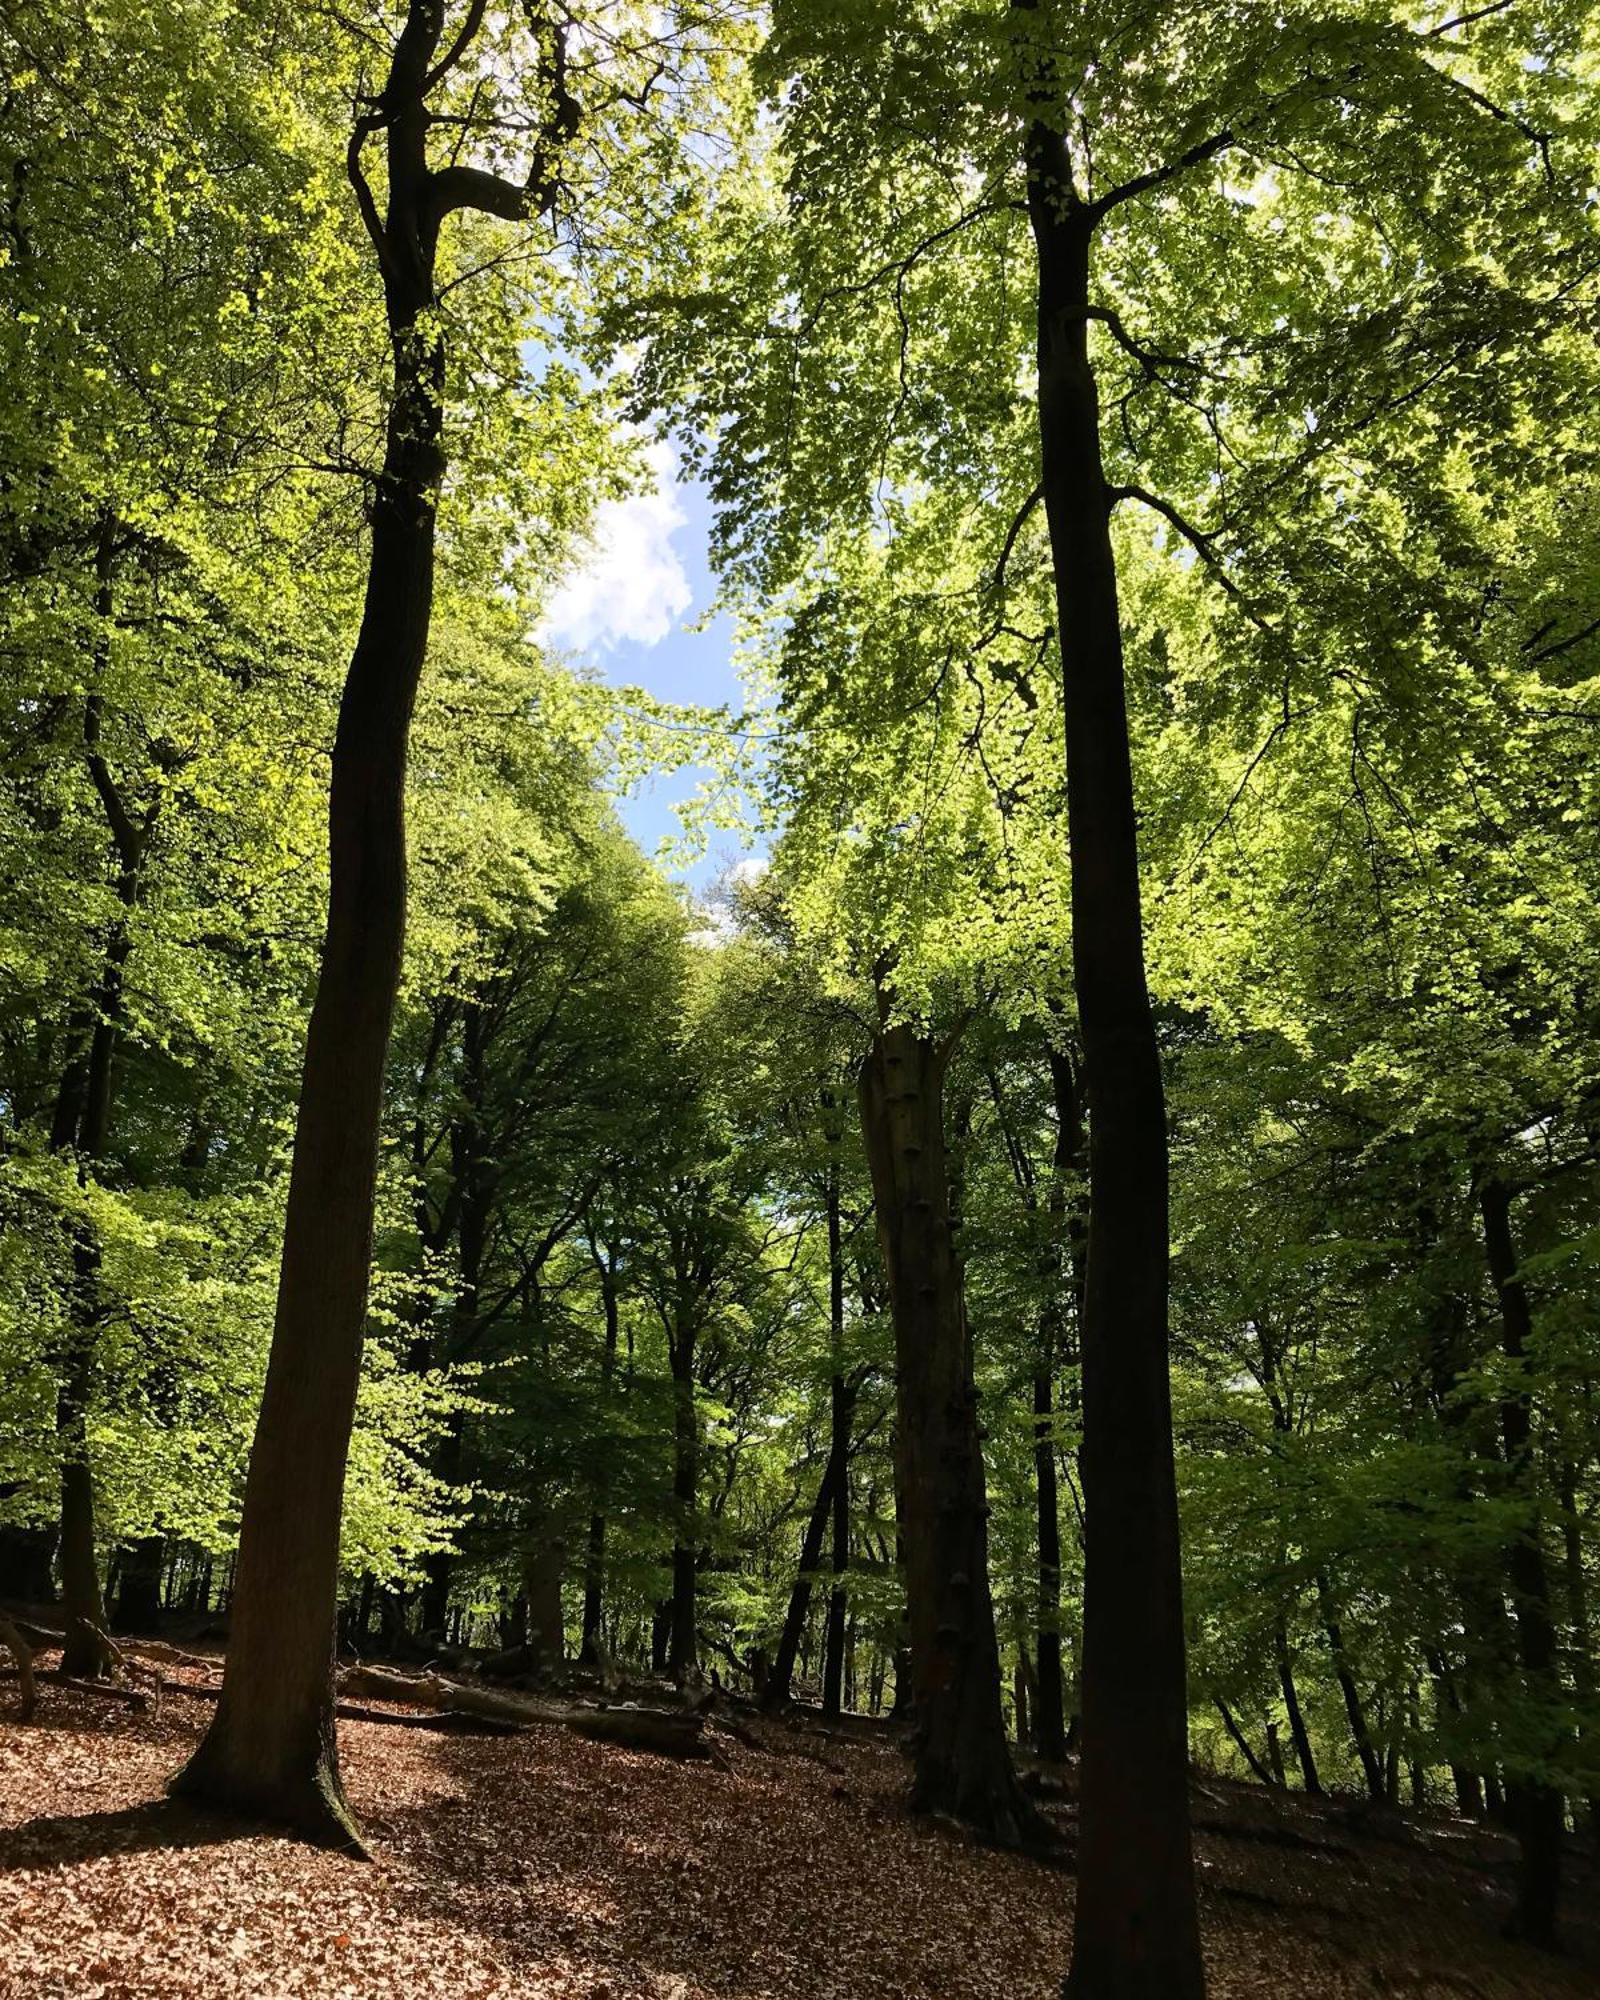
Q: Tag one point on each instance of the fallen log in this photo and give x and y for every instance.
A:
(447, 1721)
(39, 1637)
(450, 1721)
(665, 1732)
(133, 1698)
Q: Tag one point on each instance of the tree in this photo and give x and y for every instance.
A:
(1137, 1928)
(271, 1747)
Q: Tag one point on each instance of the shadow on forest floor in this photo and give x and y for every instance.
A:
(726, 1881)
(62, 1840)
(545, 1867)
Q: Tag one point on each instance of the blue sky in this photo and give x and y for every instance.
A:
(628, 607)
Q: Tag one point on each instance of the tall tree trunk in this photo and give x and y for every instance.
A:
(1447, 1700)
(1489, 1664)
(661, 1637)
(138, 1598)
(685, 1649)
(83, 1122)
(1354, 1707)
(594, 1563)
(1298, 1732)
(1050, 1724)
(1241, 1743)
(1136, 1934)
(840, 1402)
(963, 1761)
(439, 1565)
(780, 1679)
(594, 1571)
(1049, 1708)
(1583, 1664)
(471, 1201)
(271, 1747)
(83, 1654)
(833, 1651)
(369, 1588)
(1535, 1804)
(543, 1566)
(1275, 1758)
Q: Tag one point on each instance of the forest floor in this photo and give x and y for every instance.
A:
(543, 1865)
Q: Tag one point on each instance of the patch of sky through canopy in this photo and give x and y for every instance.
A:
(635, 607)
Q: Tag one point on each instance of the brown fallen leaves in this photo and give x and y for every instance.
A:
(552, 1868)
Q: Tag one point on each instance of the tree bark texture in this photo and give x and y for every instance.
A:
(962, 1759)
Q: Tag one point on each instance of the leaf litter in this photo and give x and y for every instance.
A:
(552, 1868)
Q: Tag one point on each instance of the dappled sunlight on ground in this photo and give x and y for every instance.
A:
(545, 1866)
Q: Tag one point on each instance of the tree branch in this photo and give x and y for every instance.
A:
(123, 831)
(360, 132)
(1016, 528)
(1147, 357)
(458, 48)
(1466, 20)
(1540, 141)
(1564, 645)
(1196, 155)
(455, 187)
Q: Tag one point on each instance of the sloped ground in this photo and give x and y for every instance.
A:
(545, 1866)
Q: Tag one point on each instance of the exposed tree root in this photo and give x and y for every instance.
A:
(25, 1640)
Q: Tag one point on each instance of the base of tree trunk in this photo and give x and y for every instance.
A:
(992, 1805)
(308, 1801)
(87, 1653)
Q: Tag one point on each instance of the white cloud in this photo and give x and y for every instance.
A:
(631, 584)
(750, 869)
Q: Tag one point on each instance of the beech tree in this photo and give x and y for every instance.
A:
(271, 1748)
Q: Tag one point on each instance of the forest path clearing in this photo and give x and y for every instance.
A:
(547, 1866)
